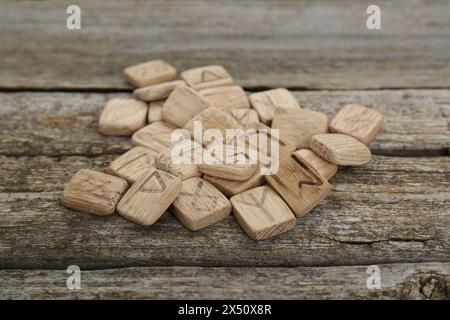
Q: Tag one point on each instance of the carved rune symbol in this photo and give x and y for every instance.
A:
(312, 179)
(158, 188)
(258, 204)
(268, 101)
(210, 204)
(208, 76)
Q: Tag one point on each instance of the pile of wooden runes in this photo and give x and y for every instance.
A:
(145, 181)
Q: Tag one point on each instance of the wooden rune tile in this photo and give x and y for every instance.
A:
(182, 105)
(245, 116)
(325, 168)
(150, 72)
(357, 121)
(155, 136)
(265, 103)
(149, 197)
(240, 167)
(299, 184)
(206, 77)
(155, 111)
(231, 187)
(226, 98)
(122, 117)
(184, 169)
(200, 204)
(262, 213)
(156, 92)
(340, 149)
(212, 118)
(93, 192)
(297, 126)
(132, 164)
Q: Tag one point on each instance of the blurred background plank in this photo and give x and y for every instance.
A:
(298, 44)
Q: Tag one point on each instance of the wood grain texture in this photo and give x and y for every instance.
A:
(399, 281)
(391, 210)
(340, 149)
(416, 121)
(262, 213)
(122, 117)
(320, 44)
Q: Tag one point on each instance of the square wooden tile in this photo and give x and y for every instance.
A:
(93, 192)
(262, 213)
(182, 105)
(265, 103)
(340, 149)
(298, 126)
(263, 141)
(149, 197)
(122, 117)
(358, 121)
(230, 187)
(228, 163)
(155, 111)
(132, 164)
(200, 204)
(212, 118)
(226, 97)
(245, 116)
(206, 77)
(150, 72)
(325, 168)
(183, 166)
(158, 91)
(299, 184)
(155, 136)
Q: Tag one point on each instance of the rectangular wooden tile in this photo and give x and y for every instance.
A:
(325, 168)
(231, 187)
(227, 162)
(357, 121)
(206, 77)
(150, 72)
(265, 103)
(298, 126)
(245, 116)
(182, 105)
(93, 192)
(262, 213)
(183, 166)
(132, 164)
(157, 92)
(200, 204)
(340, 149)
(155, 136)
(212, 118)
(149, 197)
(226, 97)
(122, 117)
(155, 111)
(299, 184)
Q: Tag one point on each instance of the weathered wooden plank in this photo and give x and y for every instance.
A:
(310, 44)
(55, 124)
(398, 281)
(392, 210)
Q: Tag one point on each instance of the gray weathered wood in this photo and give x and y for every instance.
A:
(416, 121)
(310, 44)
(392, 210)
(398, 281)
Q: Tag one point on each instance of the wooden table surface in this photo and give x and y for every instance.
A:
(393, 212)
